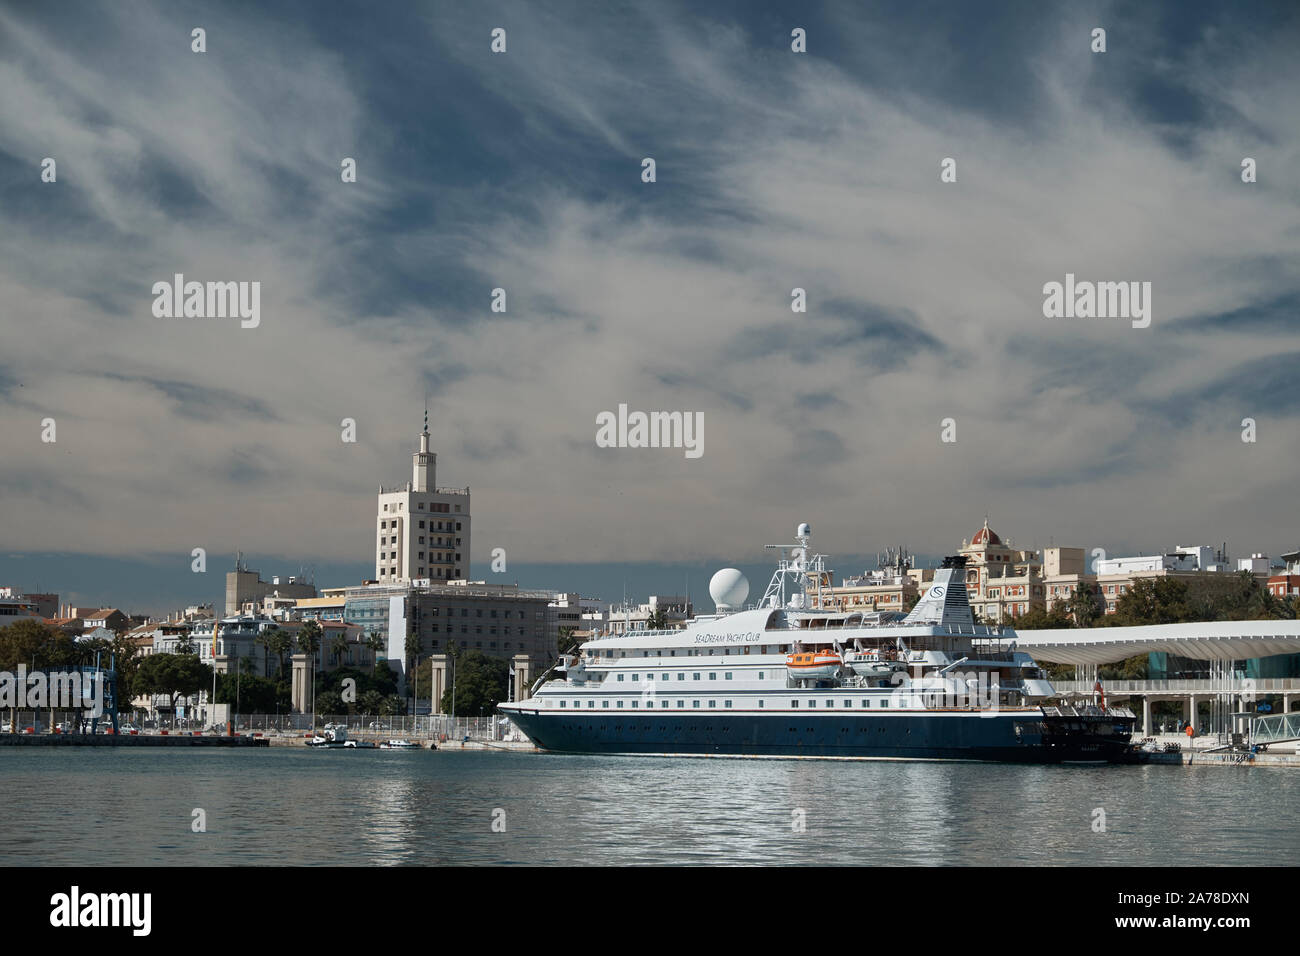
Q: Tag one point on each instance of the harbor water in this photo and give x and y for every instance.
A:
(292, 806)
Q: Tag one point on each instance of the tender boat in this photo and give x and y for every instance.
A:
(814, 665)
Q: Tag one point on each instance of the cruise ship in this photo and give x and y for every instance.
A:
(792, 678)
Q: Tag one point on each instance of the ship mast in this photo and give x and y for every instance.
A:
(801, 565)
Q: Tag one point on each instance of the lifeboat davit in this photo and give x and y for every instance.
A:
(813, 665)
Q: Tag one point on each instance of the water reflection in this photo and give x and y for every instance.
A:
(295, 807)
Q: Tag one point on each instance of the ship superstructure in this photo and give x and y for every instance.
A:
(792, 678)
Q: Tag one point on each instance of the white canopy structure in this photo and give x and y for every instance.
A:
(1207, 641)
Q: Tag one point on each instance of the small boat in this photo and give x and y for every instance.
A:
(821, 664)
(335, 737)
(873, 663)
(399, 745)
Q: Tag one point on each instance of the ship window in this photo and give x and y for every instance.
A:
(713, 703)
(728, 675)
(695, 703)
(681, 703)
(713, 675)
(812, 703)
(636, 703)
(620, 703)
(726, 703)
(564, 703)
(696, 676)
(634, 677)
(848, 703)
(760, 675)
(794, 703)
(604, 703)
(681, 677)
(760, 703)
(591, 703)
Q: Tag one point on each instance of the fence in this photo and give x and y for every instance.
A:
(429, 728)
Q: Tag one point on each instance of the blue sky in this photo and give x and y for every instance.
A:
(522, 170)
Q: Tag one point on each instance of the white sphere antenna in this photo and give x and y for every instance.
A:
(728, 588)
(803, 531)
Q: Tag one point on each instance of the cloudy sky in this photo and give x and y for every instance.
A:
(522, 170)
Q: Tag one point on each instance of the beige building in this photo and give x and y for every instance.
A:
(895, 585)
(245, 588)
(422, 531)
(1002, 582)
(1065, 572)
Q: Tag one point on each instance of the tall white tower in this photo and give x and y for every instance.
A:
(424, 463)
(422, 532)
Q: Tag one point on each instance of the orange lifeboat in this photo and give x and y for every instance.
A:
(821, 664)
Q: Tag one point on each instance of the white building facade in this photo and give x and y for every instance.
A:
(422, 532)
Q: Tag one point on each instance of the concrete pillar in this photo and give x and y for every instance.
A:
(1286, 703)
(301, 685)
(523, 676)
(438, 667)
(1189, 709)
(1146, 716)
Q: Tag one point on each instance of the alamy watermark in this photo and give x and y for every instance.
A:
(60, 690)
(651, 430)
(1098, 300)
(211, 300)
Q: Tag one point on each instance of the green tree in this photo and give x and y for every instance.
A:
(1153, 601)
(331, 702)
(176, 675)
(568, 644)
(252, 694)
(481, 682)
(1040, 618)
(1084, 606)
(338, 647)
(279, 642)
(23, 642)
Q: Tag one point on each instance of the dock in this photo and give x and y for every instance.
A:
(128, 740)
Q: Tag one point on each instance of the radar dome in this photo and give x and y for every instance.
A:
(803, 530)
(729, 588)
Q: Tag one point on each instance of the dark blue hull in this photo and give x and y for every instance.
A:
(1022, 737)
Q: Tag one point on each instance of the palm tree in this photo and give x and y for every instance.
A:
(412, 654)
(376, 643)
(338, 647)
(309, 642)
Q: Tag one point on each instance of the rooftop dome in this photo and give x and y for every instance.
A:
(986, 535)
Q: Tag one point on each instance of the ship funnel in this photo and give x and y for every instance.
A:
(946, 601)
